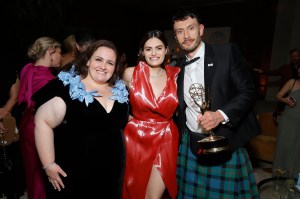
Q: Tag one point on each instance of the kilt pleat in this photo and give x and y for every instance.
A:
(232, 179)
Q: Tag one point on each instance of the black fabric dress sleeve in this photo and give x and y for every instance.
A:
(54, 88)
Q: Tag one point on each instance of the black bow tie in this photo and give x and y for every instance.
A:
(191, 61)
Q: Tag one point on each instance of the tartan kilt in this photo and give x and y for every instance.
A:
(232, 179)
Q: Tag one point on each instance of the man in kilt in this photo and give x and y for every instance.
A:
(230, 92)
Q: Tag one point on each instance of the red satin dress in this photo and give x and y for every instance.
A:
(151, 136)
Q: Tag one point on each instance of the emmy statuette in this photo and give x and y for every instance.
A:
(212, 143)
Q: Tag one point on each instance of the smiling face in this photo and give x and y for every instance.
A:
(102, 64)
(188, 34)
(154, 52)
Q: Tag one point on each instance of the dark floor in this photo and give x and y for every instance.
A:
(262, 170)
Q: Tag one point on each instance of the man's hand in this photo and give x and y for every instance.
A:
(210, 120)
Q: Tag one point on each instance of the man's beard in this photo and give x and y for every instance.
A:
(192, 48)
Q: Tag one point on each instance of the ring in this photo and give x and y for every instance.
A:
(52, 181)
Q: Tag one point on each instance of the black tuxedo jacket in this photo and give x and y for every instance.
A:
(232, 90)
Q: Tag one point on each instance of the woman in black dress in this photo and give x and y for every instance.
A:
(79, 124)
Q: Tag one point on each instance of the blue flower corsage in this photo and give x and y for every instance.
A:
(120, 93)
(77, 89)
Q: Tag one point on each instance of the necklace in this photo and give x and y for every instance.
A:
(158, 75)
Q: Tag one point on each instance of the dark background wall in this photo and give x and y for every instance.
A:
(124, 21)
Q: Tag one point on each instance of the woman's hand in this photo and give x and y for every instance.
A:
(290, 101)
(54, 173)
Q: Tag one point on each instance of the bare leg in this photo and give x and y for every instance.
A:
(156, 186)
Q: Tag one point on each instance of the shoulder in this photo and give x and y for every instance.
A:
(28, 67)
(127, 75)
(291, 81)
(53, 88)
(229, 51)
(289, 84)
(227, 46)
(129, 71)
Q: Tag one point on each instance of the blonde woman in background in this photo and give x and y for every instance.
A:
(45, 53)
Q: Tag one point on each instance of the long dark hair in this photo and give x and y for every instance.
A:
(148, 35)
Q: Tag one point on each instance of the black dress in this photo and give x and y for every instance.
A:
(89, 146)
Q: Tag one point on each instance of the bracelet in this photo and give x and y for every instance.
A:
(49, 165)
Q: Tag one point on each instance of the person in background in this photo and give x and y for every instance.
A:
(12, 182)
(79, 121)
(45, 53)
(123, 60)
(151, 136)
(287, 153)
(173, 61)
(69, 50)
(84, 38)
(286, 72)
(232, 93)
(81, 40)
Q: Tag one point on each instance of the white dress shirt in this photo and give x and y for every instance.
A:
(194, 73)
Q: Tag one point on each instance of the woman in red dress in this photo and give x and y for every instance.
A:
(151, 136)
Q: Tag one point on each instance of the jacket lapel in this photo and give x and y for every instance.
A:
(209, 69)
(180, 82)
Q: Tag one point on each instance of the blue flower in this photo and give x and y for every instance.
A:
(77, 89)
(120, 92)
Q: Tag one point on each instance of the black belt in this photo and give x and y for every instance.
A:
(199, 135)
